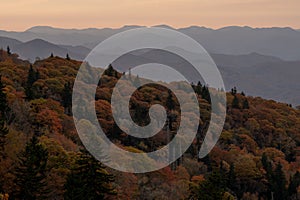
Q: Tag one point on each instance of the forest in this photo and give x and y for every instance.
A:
(42, 157)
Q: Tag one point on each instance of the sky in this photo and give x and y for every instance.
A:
(19, 15)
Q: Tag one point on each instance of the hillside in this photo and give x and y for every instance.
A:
(258, 153)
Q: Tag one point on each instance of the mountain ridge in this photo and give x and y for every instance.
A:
(282, 42)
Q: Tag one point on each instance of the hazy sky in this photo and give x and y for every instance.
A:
(22, 14)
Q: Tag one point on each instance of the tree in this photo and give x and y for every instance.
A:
(245, 104)
(205, 93)
(51, 56)
(294, 184)
(110, 71)
(198, 88)
(214, 187)
(3, 126)
(278, 184)
(68, 57)
(170, 102)
(233, 91)
(32, 77)
(31, 171)
(232, 178)
(235, 102)
(3, 121)
(8, 50)
(67, 98)
(88, 180)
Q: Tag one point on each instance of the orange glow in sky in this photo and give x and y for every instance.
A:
(20, 15)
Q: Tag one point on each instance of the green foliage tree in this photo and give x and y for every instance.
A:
(294, 184)
(110, 71)
(198, 88)
(3, 126)
(232, 182)
(3, 121)
(245, 104)
(88, 180)
(31, 171)
(67, 98)
(170, 101)
(214, 187)
(32, 77)
(233, 91)
(235, 102)
(278, 183)
(8, 50)
(68, 57)
(211, 189)
(205, 93)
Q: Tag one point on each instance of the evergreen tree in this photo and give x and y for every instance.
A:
(31, 78)
(110, 71)
(8, 50)
(212, 188)
(232, 178)
(67, 98)
(68, 57)
(233, 91)
(31, 171)
(278, 184)
(235, 102)
(3, 121)
(170, 102)
(3, 126)
(205, 93)
(51, 56)
(294, 184)
(198, 88)
(88, 180)
(245, 104)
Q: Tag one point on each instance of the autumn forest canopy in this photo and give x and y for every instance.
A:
(42, 157)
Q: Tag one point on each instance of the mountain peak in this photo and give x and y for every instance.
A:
(163, 26)
(40, 29)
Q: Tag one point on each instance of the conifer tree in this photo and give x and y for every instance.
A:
(205, 93)
(3, 121)
(67, 98)
(245, 104)
(3, 126)
(8, 50)
(110, 71)
(68, 57)
(232, 178)
(88, 180)
(235, 102)
(31, 171)
(32, 77)
(278, 183)
(170, 102)
(233, 91)
(294, 184)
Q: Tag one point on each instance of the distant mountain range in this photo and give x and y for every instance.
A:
(261, 62)
(283, 43)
